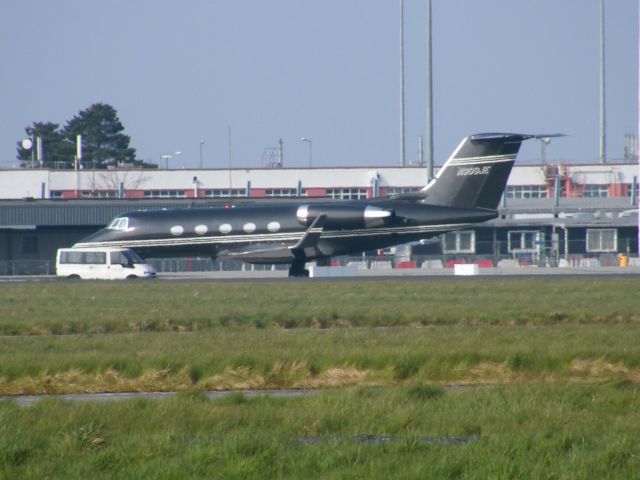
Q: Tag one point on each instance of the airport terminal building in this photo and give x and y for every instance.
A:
(575, 213)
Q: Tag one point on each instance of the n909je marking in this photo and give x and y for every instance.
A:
(465, 171)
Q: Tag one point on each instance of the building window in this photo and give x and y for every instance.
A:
(281, 192)
(602, 240)
(400, 190)
(55, 194)
(459, 242)
(596, 191)
(527, 191)
(225, 192)
(99, 194)
(164, 194)
(30, 245)
(525, 241)
(346, 193)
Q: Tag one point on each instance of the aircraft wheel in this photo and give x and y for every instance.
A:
(131, 277)
(74, 277)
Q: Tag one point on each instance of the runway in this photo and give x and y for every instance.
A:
(405, 274)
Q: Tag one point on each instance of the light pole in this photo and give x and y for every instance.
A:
(166, 158)
(201, 145)
(308, 140)
(177, 153)
(402, 114)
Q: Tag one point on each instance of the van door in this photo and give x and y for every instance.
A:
(119, 267)
(96, 265)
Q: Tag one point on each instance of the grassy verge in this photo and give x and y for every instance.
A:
(312, 358)
(64, 307)
(530, 431)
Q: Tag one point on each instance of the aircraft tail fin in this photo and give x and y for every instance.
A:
(476, 173)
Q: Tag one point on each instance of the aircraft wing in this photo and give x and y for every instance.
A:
(307, 246)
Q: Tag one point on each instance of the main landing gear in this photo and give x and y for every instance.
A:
(297, 269)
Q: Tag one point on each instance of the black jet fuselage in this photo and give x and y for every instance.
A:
(263, 234)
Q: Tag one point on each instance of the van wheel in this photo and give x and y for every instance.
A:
(131, 277)
(74, 277)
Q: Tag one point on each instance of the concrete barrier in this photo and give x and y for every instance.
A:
(508, 263)
(466, 269)
(432, 264)
(380, 265)
(330, 272)
(362, 265)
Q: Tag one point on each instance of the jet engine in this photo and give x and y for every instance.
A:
(345, 216)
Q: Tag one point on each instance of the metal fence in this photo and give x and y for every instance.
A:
(378, 262)
(27, 267)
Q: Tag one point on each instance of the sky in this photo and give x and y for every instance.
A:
(241, 74)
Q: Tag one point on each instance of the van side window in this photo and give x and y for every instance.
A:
(83, 258)
(95, 258)
(72, 257)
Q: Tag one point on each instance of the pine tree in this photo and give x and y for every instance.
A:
(103, 142)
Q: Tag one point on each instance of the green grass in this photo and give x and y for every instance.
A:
(276, 358)
(520, 431)
(91, 307)
(558, 361)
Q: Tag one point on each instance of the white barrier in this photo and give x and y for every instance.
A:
(362, 265)
(380, 265)
(327, 272)
(466, 269)
(432, 264)
(508, 263)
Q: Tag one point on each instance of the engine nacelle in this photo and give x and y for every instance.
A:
(345, 216)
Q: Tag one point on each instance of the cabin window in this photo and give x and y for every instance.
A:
(459, 242)
(602, 240)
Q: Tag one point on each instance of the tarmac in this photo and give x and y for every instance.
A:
(381, 274)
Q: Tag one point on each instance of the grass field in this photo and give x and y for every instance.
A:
(68, 307)
(417, 431)
(555, 366)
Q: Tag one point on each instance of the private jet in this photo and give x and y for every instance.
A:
(466, 191)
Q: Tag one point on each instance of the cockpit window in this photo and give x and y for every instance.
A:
(120, 223)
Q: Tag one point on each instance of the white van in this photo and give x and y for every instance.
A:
(101, 264)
